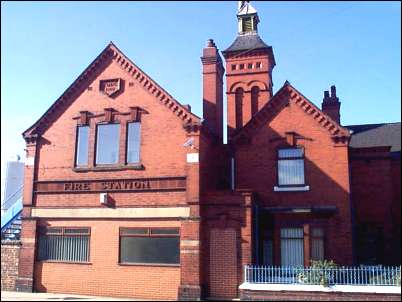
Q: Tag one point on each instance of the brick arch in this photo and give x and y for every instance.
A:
(256, 83)
(239, 84)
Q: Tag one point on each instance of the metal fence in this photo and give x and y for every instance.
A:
(364, 275)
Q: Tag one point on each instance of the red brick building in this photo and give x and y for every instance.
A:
(114, 208)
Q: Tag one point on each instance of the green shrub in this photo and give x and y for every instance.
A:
(319, 273)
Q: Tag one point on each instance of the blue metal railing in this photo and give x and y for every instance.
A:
(364, 275)
(11, 214)
(12, 198)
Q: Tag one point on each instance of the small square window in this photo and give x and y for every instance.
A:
(250, 65)
(233, 66)
(241, 66)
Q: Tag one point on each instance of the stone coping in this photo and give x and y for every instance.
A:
(320, 288)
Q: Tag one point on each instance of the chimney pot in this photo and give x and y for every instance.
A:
(211, 43)
(333, 91)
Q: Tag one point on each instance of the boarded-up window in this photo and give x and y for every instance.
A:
(64, 244)
(147, 245)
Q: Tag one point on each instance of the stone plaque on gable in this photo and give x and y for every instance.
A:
(110, 87)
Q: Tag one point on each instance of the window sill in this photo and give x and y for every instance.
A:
(110, 168)
(150, 264)
(292, 189)
(64, 262)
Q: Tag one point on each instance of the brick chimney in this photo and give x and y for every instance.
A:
(212, 80)
(331, 105)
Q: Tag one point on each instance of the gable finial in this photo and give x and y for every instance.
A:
(240, 4)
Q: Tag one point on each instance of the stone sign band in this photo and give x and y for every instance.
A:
(144, 184)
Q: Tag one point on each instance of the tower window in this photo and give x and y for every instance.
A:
(233, 66)
(241, 66)
(247, 25)
(258, 65)
(255, 91)
(239, 107)
(250, 65)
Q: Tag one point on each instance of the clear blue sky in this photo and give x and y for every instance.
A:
(46, 45)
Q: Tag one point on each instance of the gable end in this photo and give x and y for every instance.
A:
(281, 99)
(110, 53)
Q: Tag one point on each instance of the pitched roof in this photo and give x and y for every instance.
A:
(111, 52)
(278, 101)
(247, 42)
(376, 135)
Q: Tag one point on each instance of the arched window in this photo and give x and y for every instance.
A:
(255, 92)
(239, 107)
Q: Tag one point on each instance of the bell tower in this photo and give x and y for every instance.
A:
(249, 64)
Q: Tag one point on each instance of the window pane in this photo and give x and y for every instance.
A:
(134, 231)
(149, 250)
(268, 252)
(64, 248)
(292, 233)
(317, 247)
(82, 146)
(317, 243)
(286, 153)
(292, 253)
(77, 231)
(291, 172)
(317, 232)
(54, 231)
(165, 231)
(133, 142)
(107, 149)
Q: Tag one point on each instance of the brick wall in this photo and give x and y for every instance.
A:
(376, 187)
(248, 295)
(104, 276)
(10, 251)
(161, 131)
(223, 263)
(161, 154)
(227, 242)
(326, 172)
